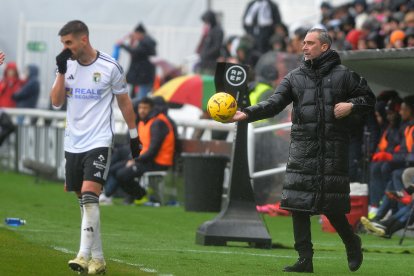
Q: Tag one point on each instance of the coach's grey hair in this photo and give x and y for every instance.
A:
(324, 37)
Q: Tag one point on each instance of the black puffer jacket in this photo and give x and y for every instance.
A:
(317, 171)
(141, 70)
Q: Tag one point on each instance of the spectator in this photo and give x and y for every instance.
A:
(141, 72)
(28, 95)
(158, 145)
(390, 139)
(295, 44)
(409, 19)
(265, 83)
(397, 39)
(228, 50)
(352, 38)
(326, 12)
(259, 21)
(246, 53)
(391, 171)
(210, 44)
(409, 37)
(386, 228)
(374, 41)
(360, 7)
(9, 85)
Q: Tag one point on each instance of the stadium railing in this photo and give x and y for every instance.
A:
(40, 138)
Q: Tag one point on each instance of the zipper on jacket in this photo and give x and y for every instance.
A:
(321, 138)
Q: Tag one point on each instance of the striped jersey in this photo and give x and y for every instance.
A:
(90, 91)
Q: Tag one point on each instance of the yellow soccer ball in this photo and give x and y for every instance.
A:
(221, 107)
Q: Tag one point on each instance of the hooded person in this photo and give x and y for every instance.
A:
(28, 95)
(141, 71)
(210, 43)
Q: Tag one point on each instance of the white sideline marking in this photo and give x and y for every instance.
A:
(53, 231)
(140, 266)
(247, 254)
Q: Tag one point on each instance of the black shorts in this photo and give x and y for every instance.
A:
(92, 165)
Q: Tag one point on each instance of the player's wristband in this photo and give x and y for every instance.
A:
(133, 133)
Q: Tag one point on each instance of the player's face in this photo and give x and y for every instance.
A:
(312, 47)
(143, 110)
(75, 43)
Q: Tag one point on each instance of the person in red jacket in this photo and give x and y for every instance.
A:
(9, 85)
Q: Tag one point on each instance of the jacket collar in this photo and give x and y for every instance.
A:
(321, 65)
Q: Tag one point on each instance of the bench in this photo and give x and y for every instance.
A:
(154, 181)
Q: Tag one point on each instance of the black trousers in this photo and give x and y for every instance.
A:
(302, 231)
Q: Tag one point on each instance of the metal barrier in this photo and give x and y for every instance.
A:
(41, 138)
(251, 150)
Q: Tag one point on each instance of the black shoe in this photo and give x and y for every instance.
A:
(354, 254)
(302, 265)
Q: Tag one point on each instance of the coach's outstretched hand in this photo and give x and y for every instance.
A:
(136, 147)
(61, 60)
(239, 116)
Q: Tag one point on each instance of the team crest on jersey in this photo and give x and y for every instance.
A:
(96, 77)
(69, 92)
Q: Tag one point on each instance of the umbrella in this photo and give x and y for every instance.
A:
(191, 89)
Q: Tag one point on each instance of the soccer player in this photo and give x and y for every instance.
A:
(89, 80)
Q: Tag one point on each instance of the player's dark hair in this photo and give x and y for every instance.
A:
(146, 100)
(75, 27)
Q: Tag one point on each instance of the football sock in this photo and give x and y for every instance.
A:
(97, 252)
(81, 206)
(90, 223)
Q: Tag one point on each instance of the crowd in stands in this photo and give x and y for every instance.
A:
(391, 182)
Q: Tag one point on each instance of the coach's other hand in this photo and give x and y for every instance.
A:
(342, 110)
(61, 60)
(136, 147)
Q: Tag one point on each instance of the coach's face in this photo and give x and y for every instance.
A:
(312, 47)
(75, 43)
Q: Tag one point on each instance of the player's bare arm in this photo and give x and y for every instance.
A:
(57, 94)
(125, 105)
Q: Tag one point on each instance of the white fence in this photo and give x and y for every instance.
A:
(41, 135)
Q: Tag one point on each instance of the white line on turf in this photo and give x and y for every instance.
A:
(241, 253)
(140, 266)
(55, 231)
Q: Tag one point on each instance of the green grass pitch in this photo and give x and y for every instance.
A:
(161, 241)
